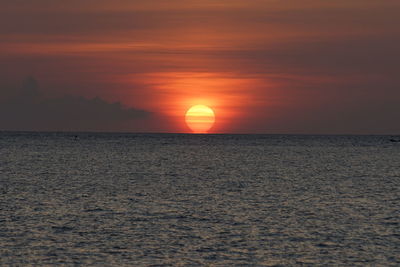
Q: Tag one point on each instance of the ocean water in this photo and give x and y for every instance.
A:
(198, 200)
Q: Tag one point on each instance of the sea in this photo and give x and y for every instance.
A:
(109, 199)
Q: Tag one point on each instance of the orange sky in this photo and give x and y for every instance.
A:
(264, 66)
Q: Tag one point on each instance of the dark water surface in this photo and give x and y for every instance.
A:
(192, 200)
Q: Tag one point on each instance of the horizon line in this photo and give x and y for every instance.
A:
(188, 133)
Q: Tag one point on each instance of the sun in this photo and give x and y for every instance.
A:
(200, 118)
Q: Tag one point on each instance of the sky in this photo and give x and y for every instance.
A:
(263, 66)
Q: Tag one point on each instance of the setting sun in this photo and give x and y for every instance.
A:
(200, 118)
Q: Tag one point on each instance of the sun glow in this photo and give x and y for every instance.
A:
(200, 118)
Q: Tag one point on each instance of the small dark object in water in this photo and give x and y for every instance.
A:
(395, 141)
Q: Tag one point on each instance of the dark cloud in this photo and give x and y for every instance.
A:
(29, 110)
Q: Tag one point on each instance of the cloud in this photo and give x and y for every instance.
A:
(30, 110)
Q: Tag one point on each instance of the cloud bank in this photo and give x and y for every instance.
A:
(30, 110)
